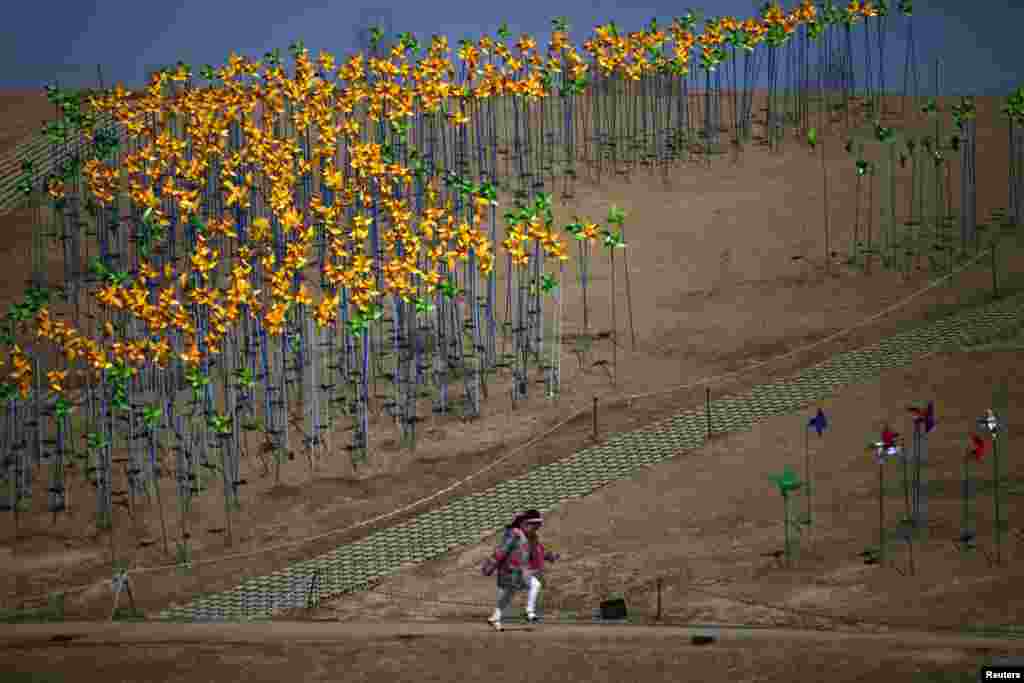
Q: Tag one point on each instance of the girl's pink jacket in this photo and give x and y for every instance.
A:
(518, 560)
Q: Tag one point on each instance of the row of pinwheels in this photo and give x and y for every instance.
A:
(889, 447)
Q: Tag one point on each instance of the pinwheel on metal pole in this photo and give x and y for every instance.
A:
(991, 423)
(613, 241)
(818, 423)
(787, 481)
(924, 423)
(885, 449)
(968, 535)
(617, 216)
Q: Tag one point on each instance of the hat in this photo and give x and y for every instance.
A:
(532, 517)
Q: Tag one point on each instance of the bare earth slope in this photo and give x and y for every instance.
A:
(715, 289)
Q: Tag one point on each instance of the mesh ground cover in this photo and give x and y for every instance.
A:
(470, 518)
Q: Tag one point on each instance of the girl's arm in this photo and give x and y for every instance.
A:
(500, 554)
(493, 562)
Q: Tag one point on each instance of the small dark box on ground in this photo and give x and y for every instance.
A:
(613, 609)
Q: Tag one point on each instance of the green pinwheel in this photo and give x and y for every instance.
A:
(151, 416)
(546, 286)
(613, 240)
(273, 58)
(8, 392)
(197, 381)
(423, 305)
(360, 322)
(487, 191)
(449, 290)
(548, 283)
(245, 377)
(62, 408)
(787, 481)
(964, 112)
(542, 206)
(120, 374)
(616, 215)
(24, 185)
(220, 424)
(573, 86)
(1014, 107)
(407, 42)
(402, 129)
(94, 441)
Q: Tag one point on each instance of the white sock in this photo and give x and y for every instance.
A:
(496, 616)
(531, 597)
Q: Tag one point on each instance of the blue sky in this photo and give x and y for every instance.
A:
(66, 39)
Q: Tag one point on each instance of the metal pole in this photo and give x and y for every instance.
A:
(881, 513)
(707, 409)
(995, 496)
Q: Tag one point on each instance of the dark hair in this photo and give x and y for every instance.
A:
(531, 514)
(517, 522)
(519, 519)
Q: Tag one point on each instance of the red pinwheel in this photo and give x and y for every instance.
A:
(887, 447)
(978, 447)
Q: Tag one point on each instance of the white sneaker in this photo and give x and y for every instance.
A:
(495, 623)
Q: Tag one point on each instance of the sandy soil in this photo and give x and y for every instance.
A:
(23, 114)
(446, 652)
(715, 290)
(711, 544)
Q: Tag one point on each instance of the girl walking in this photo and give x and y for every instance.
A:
(519, 562)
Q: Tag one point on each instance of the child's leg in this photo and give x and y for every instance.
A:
(532, 595)
(504, 599)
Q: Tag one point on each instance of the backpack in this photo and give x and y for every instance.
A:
(489, 565)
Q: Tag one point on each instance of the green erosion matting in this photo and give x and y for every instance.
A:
(46, 157)
(473, 517)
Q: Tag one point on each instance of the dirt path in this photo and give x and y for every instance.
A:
(81, 634)
(173, 653)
